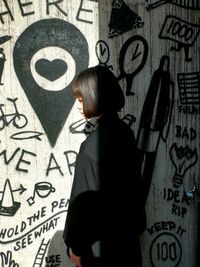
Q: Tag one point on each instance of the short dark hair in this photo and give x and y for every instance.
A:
(100, 91)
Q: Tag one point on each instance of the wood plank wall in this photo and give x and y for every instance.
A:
(43, 45)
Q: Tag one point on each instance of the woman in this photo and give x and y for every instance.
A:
(106, 212)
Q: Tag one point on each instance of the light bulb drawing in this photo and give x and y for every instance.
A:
(183, 158)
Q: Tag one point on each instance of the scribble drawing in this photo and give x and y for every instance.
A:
(41, 253)
(17, 119)
(187, 4)
(189, 87)
(123, 19)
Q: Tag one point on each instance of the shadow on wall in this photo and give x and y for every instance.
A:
(57, 255)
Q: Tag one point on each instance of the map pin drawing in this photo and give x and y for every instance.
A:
(47, 56)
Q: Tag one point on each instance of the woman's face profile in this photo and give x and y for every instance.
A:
(79, 101)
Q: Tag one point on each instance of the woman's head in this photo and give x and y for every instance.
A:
(99, 91)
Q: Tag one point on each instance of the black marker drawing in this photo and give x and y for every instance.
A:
(17, 119)
(155, 118)
(39, 224)
(187, 4)
(90, 125)
(85, 10)
(8, 207)
(53, 165)
(189, 87)
(156, 108)
(183, 158)
(166, 226)
(3, 39)
(53, 260)
(184, 132)
(133, 55)
(21, 189)
(181, 32)
(179, 201)
(6, 260)
(129, 119)
(48, 5)
(41, 253)
(21, 156)
(189, 109)
(27, 135)
(103, 53)
(83, 126)
(51, 107)
(123, 19)
(165, 250)
(77, 126)
(71, 160)
(43, 190)
(2, 63)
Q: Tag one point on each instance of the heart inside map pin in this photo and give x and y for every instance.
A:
(52, 107)
(51, 70)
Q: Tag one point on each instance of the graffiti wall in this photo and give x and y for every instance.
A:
(152, 46)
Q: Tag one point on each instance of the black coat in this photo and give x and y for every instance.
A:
(107, 202)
